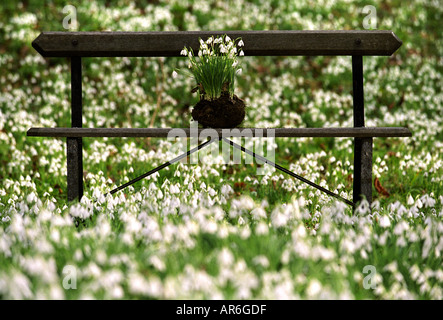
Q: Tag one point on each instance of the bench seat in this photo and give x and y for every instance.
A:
(359, 132)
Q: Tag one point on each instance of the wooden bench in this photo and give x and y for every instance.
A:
(78, 45)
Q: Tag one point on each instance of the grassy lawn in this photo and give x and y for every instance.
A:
(216, 230)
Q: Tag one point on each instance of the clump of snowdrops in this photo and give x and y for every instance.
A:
(215, 66)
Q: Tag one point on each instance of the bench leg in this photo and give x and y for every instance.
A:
(75, 168)
(362, 169)
(75, 145)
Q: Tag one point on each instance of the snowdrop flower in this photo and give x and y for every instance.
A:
(211, 192)
(174, 74)
(184, 52)
(278, 219)
(427, 201)
(239, 71)
(209, 227)
(258, 213)
(241, 53)
(261, 260)
(401, 227)
(80, 212)
(241, 43)
(225, 257)
(174, 189)
(226, 190)
(20, 287)
(410, 200)
(31, 197)
(157, 263)
(363, 208)
(384, 222)
(261, 229)
(314, 288)
(227, 39)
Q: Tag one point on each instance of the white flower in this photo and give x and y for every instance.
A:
(226, 190)
(239, 71)
(174, 74)
(314, 288)
(384, 222)
(241, 43)
(209, 41)
(157, 263)
(261, 260)
(174, 189)
(31, 197)
(410, 200)
(225, 257)
(241, 53)
(227, 38)
(258, 213)
(427, 201)
(261, 229)
(184, 52)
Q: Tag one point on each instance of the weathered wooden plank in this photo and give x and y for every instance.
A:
(257, 43)
(74, 146)
(239, 132)
(357, 91)
(362, 169)
(74, 168)
(361, 158)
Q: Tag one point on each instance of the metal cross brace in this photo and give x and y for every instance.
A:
(164, 165)
(243, 149)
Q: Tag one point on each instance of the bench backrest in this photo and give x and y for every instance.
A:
(257, 43)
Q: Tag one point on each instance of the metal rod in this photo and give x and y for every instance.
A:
(332, 194)
(164, 165)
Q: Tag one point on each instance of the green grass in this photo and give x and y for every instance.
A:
(216, 230)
